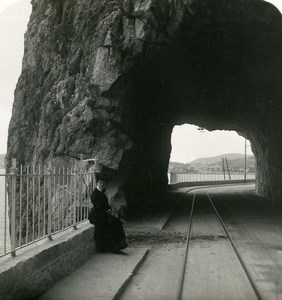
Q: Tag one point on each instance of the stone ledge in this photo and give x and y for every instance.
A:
(39, 266)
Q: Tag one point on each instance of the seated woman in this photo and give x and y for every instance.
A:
(108, 234)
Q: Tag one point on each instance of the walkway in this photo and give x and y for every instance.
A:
(155, 248)
(105, 274)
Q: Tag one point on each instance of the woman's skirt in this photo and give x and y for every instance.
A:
(109, 234)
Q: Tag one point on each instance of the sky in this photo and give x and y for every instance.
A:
(14, 15)
(5, 3)
(188, 143)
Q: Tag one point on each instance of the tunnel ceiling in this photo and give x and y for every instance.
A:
(112, 78)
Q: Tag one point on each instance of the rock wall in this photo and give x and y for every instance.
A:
(111, 79)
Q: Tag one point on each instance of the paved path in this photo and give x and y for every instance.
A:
(100, 278)
(104, 275)
(253, 224)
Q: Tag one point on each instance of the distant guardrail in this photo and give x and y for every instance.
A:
(37, 202)
(174, 177)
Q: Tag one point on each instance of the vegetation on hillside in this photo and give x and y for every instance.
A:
(236, 163)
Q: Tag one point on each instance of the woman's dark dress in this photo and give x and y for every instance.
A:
(108, 234)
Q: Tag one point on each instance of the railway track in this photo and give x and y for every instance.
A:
(203, 264)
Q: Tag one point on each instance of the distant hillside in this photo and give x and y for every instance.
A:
(2, 161)
(180, 167)
(218, 159)
(236, 162)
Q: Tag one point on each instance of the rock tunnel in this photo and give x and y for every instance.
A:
(112, 78)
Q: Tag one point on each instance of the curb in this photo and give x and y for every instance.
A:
(167, 220)
(175, 186)
(127, 281)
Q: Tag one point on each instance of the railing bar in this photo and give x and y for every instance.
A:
(86, 196)
(84, 200)
(209, 176)
(21, 190)
(44, 202)
(64, 199)
(58, 189)
(88, 193)
(31, 175)
(55, 200)
(5, 212)
(33, 203)
(27, 203)
(39, 201)
(74, 199)
(80, 196)
(58, 202)
(59, 198)
(67, 197)
(13, 212)
(4, 254)
(49, 201)
(57, 212)
(72, 193)
(36, 240)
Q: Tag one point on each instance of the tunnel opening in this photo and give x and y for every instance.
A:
(215, 71)
(199, 155)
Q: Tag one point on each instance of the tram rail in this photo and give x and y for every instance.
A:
(251, 281)
(235, 249)
(185, 265)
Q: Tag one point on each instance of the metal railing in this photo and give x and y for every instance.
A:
(212, 176)
(37, 202)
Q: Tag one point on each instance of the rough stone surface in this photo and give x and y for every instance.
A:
(112, 78)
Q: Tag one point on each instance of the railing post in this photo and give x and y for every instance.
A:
(5, 211)
(245, 162)
(49, 223)
(21, 191)
(80, 191)
(74, 197)
(223, 168)
(227, 166)
(169, 177)
(173, 177)
(13, 214)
